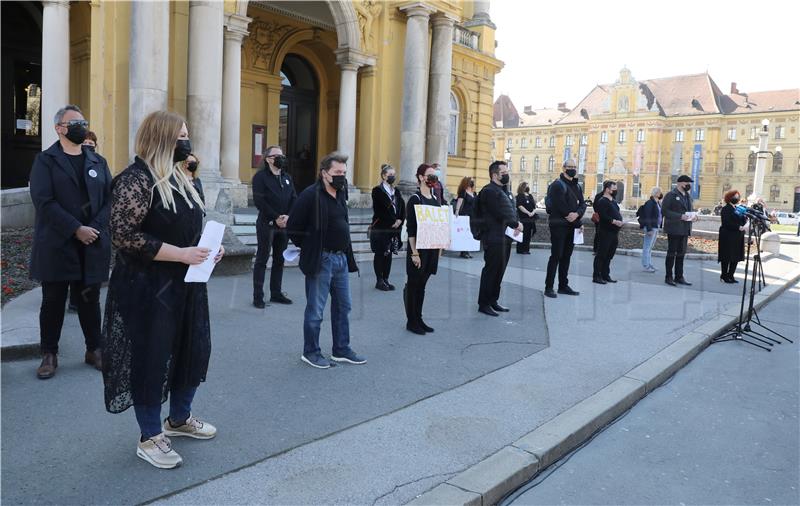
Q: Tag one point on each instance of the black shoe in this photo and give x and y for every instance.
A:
(316, 360)
(568, 291)
(609, 280)
(349, 358)
(415, 329)
(548, 292)
(280, 298)
(469, 255)
(668, 280)
(424, 326)
(487, 310)
(500, 309)
(599, 281)
(389, 285)
(382, 286)
(259, 303)
(464, 254)
(733, 280)
(682, 281)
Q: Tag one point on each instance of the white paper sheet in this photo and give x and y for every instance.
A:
(510, 232)
(577, 238)
(689, 216)
(211, 239)
(291, 253)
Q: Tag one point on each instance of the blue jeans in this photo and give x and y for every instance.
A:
(149, 417)
(333, 278)
(647, 248)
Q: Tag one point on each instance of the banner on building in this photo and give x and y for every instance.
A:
(638, 155)
(433, 226)
(581, 159)
(601, 159)
(567, 153)
(697, 161)
(677, 158)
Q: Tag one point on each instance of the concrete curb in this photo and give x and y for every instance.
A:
(488, 481)
(632, 252)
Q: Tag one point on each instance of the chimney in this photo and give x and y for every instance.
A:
(562, 106)
(734, 89)
(529, 110)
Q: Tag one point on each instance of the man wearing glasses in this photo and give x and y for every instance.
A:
(274, 196)
(565, 205)
(71, 190)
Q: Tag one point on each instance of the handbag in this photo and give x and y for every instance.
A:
(595, 218)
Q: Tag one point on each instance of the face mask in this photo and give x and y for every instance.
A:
(89, 147)
(687, 187)
(76, 134)
(660, 196)
(192, 167)
(735, 200)
(338, 182)
(183, 148)
(431, 180)
(390, 179)
(279, 162)
(504, 179)
(614, 194)
(438, 173)
(572, 172)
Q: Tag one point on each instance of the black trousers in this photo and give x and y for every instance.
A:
(728, 269)
(527, 232)
(414, 297)
(51, 314)
(676, 250)
(561, 245)
(382, 263)
(495, 260)
(276, 240)
(607, 243)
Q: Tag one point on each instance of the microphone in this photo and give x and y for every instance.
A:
(740, 210)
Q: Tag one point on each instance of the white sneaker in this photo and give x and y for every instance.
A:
(192, 428)
(158, 451)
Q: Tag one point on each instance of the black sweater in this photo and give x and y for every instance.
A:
(608, 209)
(564, 202)
(273, 195)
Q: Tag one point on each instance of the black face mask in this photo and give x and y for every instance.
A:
(614, 194)
(390, 179)
(572, 172)
(279, 162)
(687, 187)
(183, 148)
(89, 147)
(431, 180)
(76, 133)
(504, 179)
(338, 182)
(735, 200)
(191, 167)
(660, 196)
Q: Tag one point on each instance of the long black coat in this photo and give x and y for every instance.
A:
(385, 211)
(731, 239)
(499, 212)
(55, 192)
(672, 207)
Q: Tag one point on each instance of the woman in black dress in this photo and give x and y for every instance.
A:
(388, 213)
(465, 202)
(157, 338)
(421, 264)
(526, 207)
(731, 238)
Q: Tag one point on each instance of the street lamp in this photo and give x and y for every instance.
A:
(761, 153)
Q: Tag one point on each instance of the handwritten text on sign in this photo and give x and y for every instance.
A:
(433, 227)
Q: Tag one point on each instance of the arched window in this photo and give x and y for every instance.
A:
(726, 188)
(551, 164)
(452, 141)
(552, 141)
(522, 163)
(536, 163)
(775, 193)
(538, 142)
(729, 162)
(751, 163)
(777, 162)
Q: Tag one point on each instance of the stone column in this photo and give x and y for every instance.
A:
(415, 92)
(235, 32)
(55, 66)
(347, 116)
(204, 90)
(439, 92)
(148, 66)
(761, 163)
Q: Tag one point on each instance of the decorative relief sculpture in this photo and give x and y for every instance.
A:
(367, 12)
(262, 42)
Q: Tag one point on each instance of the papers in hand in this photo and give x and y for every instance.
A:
(689, 216)
(512, 233)
(211, 239)
(577, 238)
(291, 253)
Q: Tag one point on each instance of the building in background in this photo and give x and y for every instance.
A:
(646, 133)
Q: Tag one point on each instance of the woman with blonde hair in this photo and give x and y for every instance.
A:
(157, 339)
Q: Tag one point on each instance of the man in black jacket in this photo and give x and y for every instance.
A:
(497, 209)
(319, 226)
(607, 232)
(567, 209)
(274, 195)
(678, 218)
(71, 191)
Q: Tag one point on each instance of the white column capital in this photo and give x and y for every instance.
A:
(353, 59)
(56, 3)
(236, 27)
(443, 19)
(417, 9)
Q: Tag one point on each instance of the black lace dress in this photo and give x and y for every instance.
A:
(156, 331)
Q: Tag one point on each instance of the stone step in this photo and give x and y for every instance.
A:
(240, 230)
(244, 219)
(251, 240)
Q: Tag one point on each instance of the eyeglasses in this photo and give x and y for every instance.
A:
(81, 122)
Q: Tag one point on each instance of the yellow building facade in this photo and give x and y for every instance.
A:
(310, 76)
(646, 133)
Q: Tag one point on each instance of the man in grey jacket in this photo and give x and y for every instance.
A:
(678, 217)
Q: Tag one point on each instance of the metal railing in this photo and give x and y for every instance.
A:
(465, 37)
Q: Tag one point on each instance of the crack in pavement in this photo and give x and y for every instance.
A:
(463, 350)
(411, 482)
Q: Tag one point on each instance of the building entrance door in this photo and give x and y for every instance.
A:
(298, 120)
